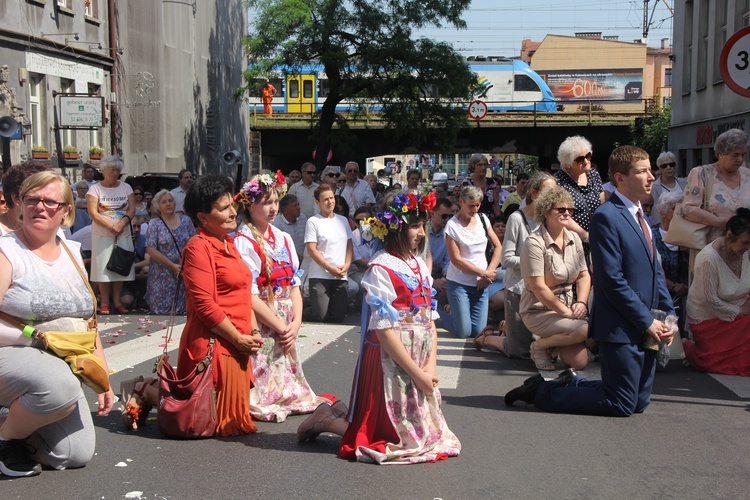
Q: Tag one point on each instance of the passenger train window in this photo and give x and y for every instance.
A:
(323, 87)
(524, 83)
(293, 89)
(307, 91)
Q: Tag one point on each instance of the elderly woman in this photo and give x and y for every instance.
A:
(515, 340)
(729, 185)
(719, 304)
(552, 261)
(166, 236)
(111, 206)
(42, 283)
(582, 182)
(218, 293)
(667, 181)
(294, 177)
(470, 272)
(674, 261)
(477, 166)
(12, 181)
(330, 175)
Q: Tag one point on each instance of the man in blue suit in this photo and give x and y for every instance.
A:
(628, 282)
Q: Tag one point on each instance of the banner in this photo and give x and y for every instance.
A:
(611, 84)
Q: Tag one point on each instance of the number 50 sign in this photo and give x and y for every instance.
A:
(735, 62)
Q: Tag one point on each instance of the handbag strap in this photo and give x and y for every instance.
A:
(708, 179)
(176, 245)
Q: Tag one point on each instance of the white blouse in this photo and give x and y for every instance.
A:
(716, 292)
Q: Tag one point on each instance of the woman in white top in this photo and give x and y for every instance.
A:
(470, 273)
(329, 242)
(111, 206)
(49, 421)
(667, 181)
(718, 304)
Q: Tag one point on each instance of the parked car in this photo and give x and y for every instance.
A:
(154, 182)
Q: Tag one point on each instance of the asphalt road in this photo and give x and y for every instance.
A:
(692, 442)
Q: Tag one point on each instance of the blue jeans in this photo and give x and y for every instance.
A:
(468, 309)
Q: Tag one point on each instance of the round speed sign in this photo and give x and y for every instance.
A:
(735, 62)
(477, 110)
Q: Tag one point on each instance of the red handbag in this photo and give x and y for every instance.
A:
(187, 407)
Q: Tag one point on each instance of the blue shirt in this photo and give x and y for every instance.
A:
(440, 259)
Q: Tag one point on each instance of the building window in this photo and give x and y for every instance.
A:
(68, 135)
(66, 4)
(91, 8)
(687, 57)
(95, 134)
(701, 75)
(721, 37)
(667, 77)
(36, 110)
(741, 14)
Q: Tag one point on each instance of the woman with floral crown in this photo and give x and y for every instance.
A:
(394, 415)
(280, 386)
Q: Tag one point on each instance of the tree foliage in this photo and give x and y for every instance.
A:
(369, 55)
(650, 132)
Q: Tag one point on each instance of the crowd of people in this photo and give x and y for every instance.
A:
(564, 270)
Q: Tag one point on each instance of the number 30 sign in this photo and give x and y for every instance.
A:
(735, 62)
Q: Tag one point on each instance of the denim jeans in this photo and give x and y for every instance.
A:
(468, 309)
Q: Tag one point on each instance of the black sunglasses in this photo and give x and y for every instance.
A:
(562, 210)
(666, 165)
(311, 172)
(333, 174)
(445, 216)
(581, 159)
(136, 193)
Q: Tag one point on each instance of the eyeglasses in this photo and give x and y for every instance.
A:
(311, 172)
(350, 171)
(583, 158)
(446, 216)
(50, 204)
(333, 174)
(136, 193)
(562, 210)
(341, 181)
(667, 165)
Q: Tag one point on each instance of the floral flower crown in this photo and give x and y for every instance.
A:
(256, 187)
(403, 207)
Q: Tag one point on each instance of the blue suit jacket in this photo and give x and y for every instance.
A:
(627, 282)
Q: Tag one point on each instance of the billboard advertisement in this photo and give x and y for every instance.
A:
(610, 84)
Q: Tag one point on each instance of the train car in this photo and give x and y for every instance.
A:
(505, 85)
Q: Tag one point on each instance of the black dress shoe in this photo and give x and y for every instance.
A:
(565, 378)
(525, 393)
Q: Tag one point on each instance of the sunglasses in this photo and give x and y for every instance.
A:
(333, 174)
(667, 165)
(136, 193)
(562, 210)
(583, 158)
(50, 204)
(352, 171)
(311, 172)
(446, 216)
(646, 205)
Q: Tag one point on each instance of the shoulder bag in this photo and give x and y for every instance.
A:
(121, 260)
(688, 234)
(490, 248)
(76, 348)
(187, 406)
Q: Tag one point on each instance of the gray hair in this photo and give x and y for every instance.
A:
(473, 160)
(730, 140)
(329, 169)
(469, 193)
(286, 201)
(111, 161)
(81, 183)
(536, 181)
(157, 197)
(570, 148)
(666, 200)
(666, 157)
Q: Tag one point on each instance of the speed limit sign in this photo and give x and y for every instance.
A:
(735, 62)
(477, 110)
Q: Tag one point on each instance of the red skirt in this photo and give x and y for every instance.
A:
(720, 346)
(370, 426)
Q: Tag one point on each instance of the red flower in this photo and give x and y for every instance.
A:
(428, 202)
(412, 204)
(280, 179)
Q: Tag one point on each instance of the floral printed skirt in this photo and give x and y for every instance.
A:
(280, 385)
(393, 421)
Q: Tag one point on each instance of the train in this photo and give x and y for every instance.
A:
(504, 85)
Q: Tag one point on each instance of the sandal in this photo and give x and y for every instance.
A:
(481, 339)
(134, 407)
(315, 423)
(104, 310)
(121, 309)
(541, 358)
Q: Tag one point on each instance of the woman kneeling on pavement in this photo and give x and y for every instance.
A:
(552, 260)
(42, 283)
(395, 412)
(280, 385)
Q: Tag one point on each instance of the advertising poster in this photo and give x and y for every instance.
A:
(610, 84)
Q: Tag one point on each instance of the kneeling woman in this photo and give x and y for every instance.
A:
(552, 260)
(280, 385)
(395, 413)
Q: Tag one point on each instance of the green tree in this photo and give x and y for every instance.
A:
(369, 55)
(650, 132)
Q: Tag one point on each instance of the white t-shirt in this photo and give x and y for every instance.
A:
(179, 199)
(471, 246)
(111, 203)
(332, 236)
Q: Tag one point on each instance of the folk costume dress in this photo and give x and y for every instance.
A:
(280, 385)
(391, 420)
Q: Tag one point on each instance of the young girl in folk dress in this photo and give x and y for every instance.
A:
(395, 412)
(280, 385)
